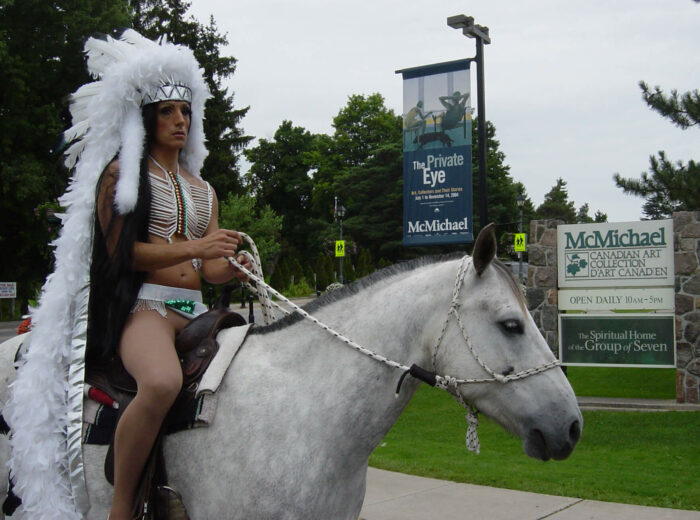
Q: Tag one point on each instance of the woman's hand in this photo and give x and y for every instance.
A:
(245, 262)
(218, 244)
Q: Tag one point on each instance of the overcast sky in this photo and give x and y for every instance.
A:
(561, 76)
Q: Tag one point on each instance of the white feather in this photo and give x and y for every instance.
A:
(106, 121)
(134, 38)
(81, 98)
(77, 131)
(132, 136)
(103, 53)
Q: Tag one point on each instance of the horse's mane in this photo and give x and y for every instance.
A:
(354, 288)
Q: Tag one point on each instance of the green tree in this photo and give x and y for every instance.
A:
(557, 204)
(279, 177)
(225, 138)
(360, 127)
(364, 263)
(324, 271)
(501, 190)
(42, 62)
(260, 223)
(582, 216)
(668, 187)
(295, 270)
(373, 196)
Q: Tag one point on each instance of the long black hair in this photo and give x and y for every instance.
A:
(114, 285)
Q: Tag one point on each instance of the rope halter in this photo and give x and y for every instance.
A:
(444, 382)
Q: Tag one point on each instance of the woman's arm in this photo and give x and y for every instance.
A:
(150, 257)
(210, 248)
(219, 270)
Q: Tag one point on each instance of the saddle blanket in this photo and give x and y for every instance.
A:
(100, 415)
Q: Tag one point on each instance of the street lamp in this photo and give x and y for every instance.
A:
(340, 212)
(481, 34)
(521, 201)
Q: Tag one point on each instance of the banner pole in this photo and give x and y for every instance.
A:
(481, 107)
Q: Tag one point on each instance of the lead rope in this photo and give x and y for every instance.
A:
(448, 383)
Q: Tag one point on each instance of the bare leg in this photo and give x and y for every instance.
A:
(147, 350)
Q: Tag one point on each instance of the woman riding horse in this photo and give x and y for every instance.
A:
(154, 232)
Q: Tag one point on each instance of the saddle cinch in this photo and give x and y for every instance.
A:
(196, 346)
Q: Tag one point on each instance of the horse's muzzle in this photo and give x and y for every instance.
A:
(556, 445)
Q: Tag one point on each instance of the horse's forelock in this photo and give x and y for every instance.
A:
(512, 282)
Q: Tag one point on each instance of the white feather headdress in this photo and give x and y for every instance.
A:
(131, 71)
(45, 407)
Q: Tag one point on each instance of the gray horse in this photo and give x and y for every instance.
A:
(300, 413)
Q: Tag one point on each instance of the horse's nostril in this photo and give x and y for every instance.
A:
(575, 431)
(508, 371)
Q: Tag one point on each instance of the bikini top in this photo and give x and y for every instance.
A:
(178, 207)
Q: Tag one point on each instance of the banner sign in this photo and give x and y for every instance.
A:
(620, 254)
(520, 243)
(340, 248)
(617, 299)
(639, 340)
(8, 289)
(437, 154)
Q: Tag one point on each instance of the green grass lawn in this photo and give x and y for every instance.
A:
(639, 458)
(645, 383)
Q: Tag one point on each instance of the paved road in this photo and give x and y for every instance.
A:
(395, 496)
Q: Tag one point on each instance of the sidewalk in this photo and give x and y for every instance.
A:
(395, 496)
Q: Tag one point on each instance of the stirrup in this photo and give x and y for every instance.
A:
(170, 504)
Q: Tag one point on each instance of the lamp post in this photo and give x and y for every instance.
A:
(481, 34)
(521, 201)
(340, 212)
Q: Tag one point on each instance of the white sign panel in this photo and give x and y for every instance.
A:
(620, 298)
(616, 254)
(8, 289)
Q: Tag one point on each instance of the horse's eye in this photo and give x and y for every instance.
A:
(512, 326)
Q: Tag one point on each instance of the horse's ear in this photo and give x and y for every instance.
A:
(484, 248)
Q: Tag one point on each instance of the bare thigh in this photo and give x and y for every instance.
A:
(147, 347)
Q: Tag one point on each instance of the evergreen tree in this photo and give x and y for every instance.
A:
(373, 196)
(324, 271)
(295, 270)
(668, 187)
(225, 138)
(501, 190)
(41, 51)
(582, 216)
(364, 263)
(557, 205)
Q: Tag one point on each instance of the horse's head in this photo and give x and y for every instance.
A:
(492, 336)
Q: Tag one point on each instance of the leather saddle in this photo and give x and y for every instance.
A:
(196, 347)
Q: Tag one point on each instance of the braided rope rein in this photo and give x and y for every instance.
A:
(444, 382)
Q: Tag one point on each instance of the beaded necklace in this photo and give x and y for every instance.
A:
(181, 222)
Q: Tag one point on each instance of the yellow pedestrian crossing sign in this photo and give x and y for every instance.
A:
(339, 248)
(520, 242)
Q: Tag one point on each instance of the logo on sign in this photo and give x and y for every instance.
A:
(577, 264)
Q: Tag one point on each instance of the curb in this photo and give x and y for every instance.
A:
(621, 404)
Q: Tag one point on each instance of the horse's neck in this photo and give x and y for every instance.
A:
(397, 320)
